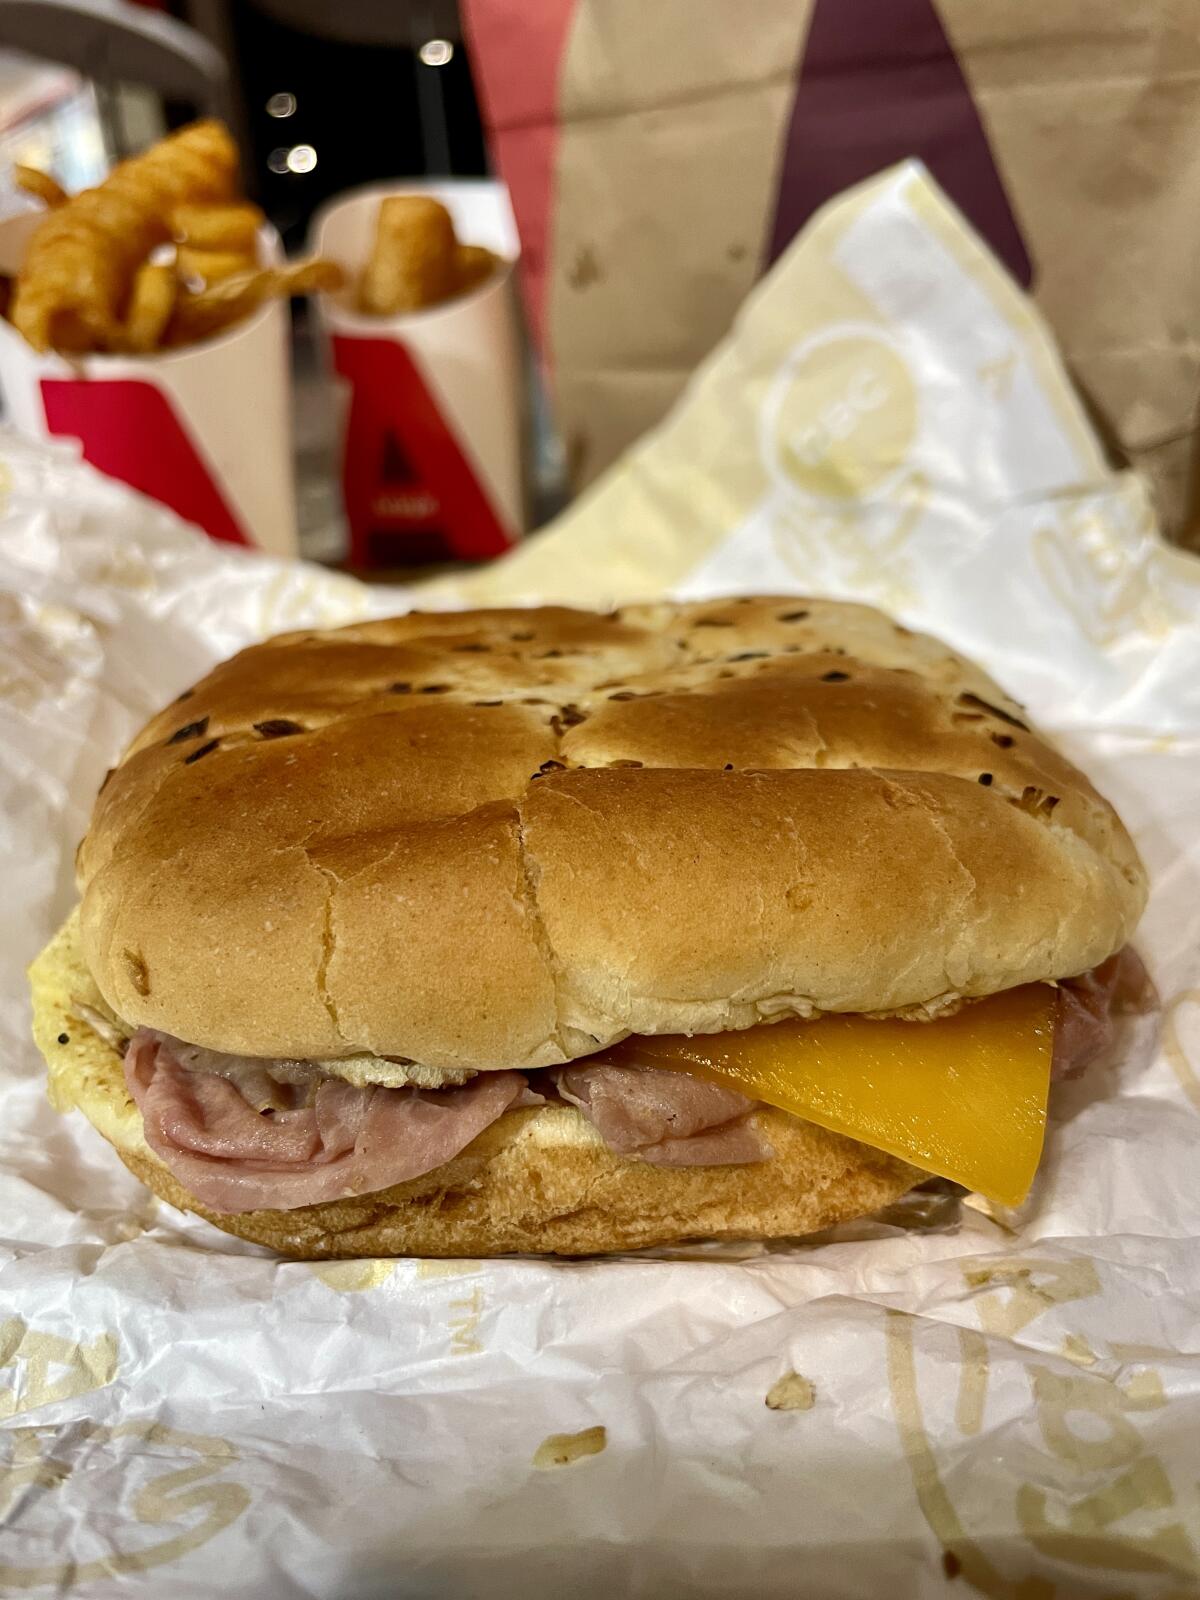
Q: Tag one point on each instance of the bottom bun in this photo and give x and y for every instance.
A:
(539, 1180)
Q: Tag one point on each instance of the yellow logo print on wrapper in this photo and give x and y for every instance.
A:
(163, 1480)
(841, 417)
(1093, 1502)
(1133, 586)
(162, 1483)
(47, 1368)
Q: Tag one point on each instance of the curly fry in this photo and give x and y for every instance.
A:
(411, 264)
(219, 305)
(151, 303)
(211, 265)
(473, 265)
(41, 185)
(224, 227)
(307, 277)
(82, 258)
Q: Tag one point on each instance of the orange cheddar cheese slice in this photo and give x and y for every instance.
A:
(963, 1097)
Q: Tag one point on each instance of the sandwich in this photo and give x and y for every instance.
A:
(566, 932)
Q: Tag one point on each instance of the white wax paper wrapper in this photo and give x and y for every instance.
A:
(1007, 1404)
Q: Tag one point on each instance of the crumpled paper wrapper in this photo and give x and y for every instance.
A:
(1009, 1402)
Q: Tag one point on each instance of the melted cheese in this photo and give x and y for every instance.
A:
(963, 1097)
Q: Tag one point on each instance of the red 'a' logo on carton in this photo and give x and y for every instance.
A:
(128, 429)
(411, 495)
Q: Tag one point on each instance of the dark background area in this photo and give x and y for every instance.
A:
(367, 109)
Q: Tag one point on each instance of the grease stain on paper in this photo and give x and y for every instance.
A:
(353, 1277)
(455, 1267)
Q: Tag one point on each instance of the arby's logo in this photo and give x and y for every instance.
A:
(411, 495)
(129, 430)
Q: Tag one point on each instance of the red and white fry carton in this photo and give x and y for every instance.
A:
(205, 429)
(434, 407)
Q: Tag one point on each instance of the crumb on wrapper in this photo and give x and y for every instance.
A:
(791, 1393)
(561, 1449)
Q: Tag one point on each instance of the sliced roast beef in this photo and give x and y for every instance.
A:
(1084, 1023)
(338, 1141)
(242, 1133)
(669, 1118)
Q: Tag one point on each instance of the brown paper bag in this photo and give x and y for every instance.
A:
(661, 156)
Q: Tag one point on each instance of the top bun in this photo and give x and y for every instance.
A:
(508, 838)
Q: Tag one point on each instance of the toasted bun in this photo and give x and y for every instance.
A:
(538, 1180)
(508, 838)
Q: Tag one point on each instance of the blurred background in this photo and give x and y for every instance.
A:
(321, 98)
(657, 169)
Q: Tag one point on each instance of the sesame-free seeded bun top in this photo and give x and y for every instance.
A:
(507, 838)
